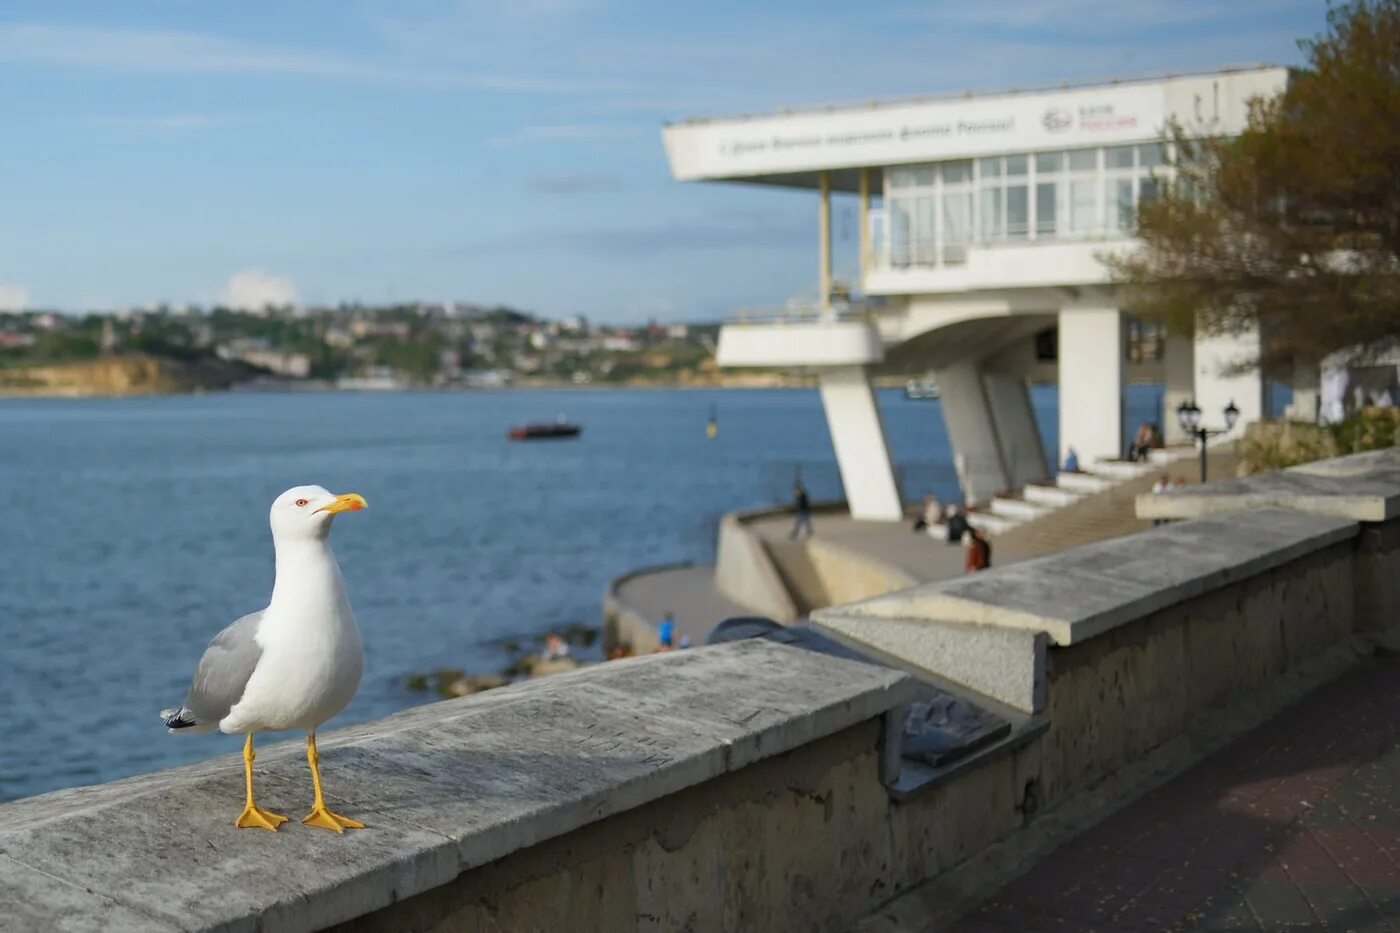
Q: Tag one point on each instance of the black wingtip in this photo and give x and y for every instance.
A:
(178, 719)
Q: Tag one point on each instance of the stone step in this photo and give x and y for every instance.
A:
(1082, 482)
(1166, 455)
(1019, 509)
(1051, 495)
(991, 523)
(1120, 469)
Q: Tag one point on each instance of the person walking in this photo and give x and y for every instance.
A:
(979, 550)
(802, 506)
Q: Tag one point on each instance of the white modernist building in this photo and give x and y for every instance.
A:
(983, 222)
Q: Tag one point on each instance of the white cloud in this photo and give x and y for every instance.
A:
(169, 52)
(254, 289)
(13, 297)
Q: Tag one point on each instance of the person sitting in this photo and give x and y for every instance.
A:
(1071, 461)
(555, 647)
(1142, 444)
(957, 524)
(932, 513)
(979, 550)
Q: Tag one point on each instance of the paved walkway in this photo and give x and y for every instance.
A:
(1295, 826)
(687, 592)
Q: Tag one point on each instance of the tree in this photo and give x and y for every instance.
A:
(1294, 225)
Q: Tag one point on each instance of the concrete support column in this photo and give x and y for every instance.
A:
(1216, 388)
(1179, 361)
(1091, 383)
(824, 236)
(864, 224)
(858, 435)
(1022, 453)
(972, 430)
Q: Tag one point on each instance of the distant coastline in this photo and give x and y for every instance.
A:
(135, 376)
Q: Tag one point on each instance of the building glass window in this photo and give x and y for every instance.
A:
(935, 212)
(1046, 208)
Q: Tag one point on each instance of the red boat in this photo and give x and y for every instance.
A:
(545, 431)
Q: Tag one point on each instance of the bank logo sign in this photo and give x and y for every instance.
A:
(1057, 120)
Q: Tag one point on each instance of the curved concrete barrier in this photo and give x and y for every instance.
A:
(744, 570)
(624, 625)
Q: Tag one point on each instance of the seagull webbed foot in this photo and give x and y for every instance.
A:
(320, 816)
(255, 817)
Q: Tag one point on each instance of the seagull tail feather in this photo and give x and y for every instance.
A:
(174, 719)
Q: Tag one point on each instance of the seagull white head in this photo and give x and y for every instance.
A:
(307, 511)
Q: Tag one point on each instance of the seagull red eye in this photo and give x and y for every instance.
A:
(301, 503)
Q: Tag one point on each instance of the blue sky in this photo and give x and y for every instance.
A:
(509, 151)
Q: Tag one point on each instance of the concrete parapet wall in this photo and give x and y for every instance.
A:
(451, 787)
(756, 785)
(785, 844)
(626, 626)
(744, 571)
(1115, 699)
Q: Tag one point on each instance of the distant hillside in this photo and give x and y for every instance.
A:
(129, 375)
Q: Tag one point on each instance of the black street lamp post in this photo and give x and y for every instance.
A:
(1189, 415)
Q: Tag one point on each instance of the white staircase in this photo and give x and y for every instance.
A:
(1037, 500)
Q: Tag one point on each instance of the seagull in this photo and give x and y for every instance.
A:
(293, 665)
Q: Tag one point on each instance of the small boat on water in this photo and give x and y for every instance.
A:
(545, 430)
(924, 388)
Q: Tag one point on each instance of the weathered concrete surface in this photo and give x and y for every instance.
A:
(1377, 577)
(1079, 594)
(1007, 665)
(444, 788)
(784, 845)
(1370, 496)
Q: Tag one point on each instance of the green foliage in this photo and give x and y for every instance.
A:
(1294, 225)
(1278, 445)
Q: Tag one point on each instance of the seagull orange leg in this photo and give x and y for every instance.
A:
(254, 816)
(319, 815)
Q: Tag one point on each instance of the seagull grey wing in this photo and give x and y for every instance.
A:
(224, 671)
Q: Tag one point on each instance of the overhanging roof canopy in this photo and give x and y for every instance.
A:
(791, 149)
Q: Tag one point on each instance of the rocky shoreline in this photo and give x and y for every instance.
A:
(556, 652)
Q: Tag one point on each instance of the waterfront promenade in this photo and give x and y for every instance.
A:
(690, 593)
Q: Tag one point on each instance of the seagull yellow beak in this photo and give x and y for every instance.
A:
(350, 502)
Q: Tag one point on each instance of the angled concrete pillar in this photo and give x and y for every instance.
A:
(1022, 453)
(1091, 383)
(1179, 363)
(972, 430)
(1217, 386)
(858, 435)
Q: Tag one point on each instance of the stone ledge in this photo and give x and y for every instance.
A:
(443, 788)
(1079, 594)
(1370, 461)
(1370, 496)
(1007, 665)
